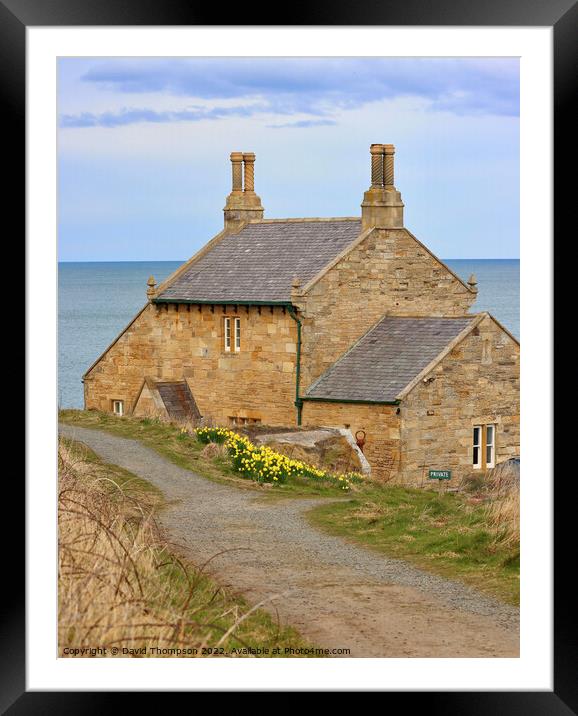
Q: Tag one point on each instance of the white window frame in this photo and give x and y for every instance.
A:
(237, 336)
(492, 445)
(227, 333)
(477, 464)
(120, 404)
(482, 445)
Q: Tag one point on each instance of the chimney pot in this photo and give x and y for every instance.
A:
(237, 168)
(249, 164)
(376, 151)
(389, 151)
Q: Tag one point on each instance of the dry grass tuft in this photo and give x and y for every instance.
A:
(214, 450)
(504, 516)
(119, 584)
(503, 508)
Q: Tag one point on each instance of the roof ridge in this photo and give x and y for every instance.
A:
(431, 317)
(302, 220)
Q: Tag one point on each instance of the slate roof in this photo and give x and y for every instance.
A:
(387, 358)
(178, 401)
(259, 262)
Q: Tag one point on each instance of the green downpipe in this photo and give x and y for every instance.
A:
(298, 399)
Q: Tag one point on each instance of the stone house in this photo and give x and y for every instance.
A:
(339, 322)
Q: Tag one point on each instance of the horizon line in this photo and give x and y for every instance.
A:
(143, 261)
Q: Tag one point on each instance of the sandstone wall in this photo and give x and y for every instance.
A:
(172, 342)
(478, 382)
(147, 406)
(389, 272)
(380, 422)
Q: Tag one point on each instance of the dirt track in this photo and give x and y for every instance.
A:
(336, 593)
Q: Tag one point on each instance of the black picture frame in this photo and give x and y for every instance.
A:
(562, 16)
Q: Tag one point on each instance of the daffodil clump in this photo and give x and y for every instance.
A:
(212, 435)
(262, 464)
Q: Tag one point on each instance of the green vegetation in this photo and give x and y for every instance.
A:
(122, 586)
(454, 535)
(185, 450)
(447, 534)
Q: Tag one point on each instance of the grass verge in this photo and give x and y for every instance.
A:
(185, 451)
(448, 534)
(125, 592)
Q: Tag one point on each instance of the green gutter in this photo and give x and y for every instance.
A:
(347, 400)
(298, 399)
(283, 304)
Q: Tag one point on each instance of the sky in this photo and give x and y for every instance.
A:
(144, 144)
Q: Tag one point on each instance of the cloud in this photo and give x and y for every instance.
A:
(314, 87)
(304, 123)
(133, 115)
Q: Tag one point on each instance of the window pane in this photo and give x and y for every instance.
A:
(489, 456)
(227, 333)
(477, 434)
(476, 460)
(489, 434)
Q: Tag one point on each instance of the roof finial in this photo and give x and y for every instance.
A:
(151, 283)
(473, 282)
(295, 285)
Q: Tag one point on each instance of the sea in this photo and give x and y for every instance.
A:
(96, 300)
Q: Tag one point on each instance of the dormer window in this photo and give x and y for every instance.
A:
(232, 334)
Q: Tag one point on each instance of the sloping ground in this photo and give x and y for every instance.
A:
(337, 594)
(329, 449)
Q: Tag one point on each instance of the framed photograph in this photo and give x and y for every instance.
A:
(289, 315)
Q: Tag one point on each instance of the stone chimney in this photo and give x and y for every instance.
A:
(382, 205)
(242, 203)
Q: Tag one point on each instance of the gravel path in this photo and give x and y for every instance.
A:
(336, 593)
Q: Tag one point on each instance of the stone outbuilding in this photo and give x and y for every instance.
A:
(346, 322)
